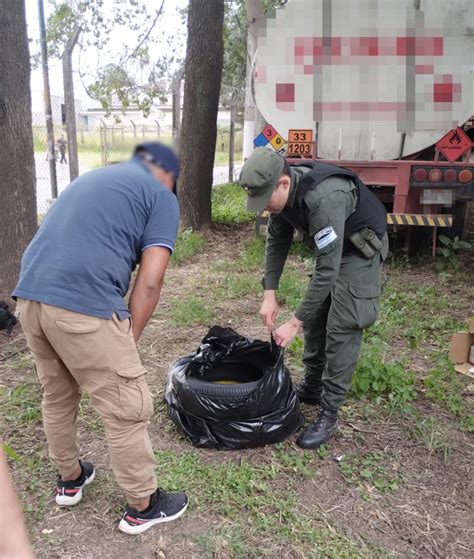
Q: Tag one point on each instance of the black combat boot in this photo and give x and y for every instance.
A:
(321, 431)
(309, 394)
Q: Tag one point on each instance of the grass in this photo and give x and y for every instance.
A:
(261, 503)
(22, 404)
(188, 243)
(444, 386)
(434, 436)
(236, 286)
(190, 310)
(229, 205)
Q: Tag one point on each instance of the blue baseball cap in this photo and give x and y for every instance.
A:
(160, 155)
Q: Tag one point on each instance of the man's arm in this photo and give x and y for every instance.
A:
(279, 238)
(14, 543)
(147, 288)
(328, 223)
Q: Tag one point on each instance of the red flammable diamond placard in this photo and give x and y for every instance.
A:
(454, 144)
(269, 132)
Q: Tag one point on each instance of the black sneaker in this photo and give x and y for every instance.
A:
(69, 493)
(164, 507)
(321, 431)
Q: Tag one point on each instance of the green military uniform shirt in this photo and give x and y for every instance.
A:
(328, 206)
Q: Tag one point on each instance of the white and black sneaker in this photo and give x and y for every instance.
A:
(164, 507)
(69, 493)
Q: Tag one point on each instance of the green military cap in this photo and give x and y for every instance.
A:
(259, 176)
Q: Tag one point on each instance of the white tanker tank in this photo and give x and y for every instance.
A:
(374, 79)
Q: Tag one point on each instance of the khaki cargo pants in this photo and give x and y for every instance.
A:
(73, 353)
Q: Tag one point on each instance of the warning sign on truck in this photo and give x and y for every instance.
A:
(454, 144)
(300, 143)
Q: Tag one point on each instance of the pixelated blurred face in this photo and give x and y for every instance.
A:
(367, 66)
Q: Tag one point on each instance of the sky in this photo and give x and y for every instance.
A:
(168, 26)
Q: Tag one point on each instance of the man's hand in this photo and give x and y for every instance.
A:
(287, 332)
(269, 309)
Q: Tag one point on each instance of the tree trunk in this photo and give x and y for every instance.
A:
(254, 122)
(203, 69)
(18, 220)
(70, 106)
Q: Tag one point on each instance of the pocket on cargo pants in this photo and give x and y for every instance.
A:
(365, 301)
(135, 402)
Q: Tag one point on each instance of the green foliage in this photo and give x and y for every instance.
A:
(382, 380)
(367, 468)
(229, 205)
(133, 77)
(190, 310)
(451, 247)
(188, 243)
(444, 387)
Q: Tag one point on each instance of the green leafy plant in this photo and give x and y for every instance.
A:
(367, 468)
(451, 247)
(381, 379)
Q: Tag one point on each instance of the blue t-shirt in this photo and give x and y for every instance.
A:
(90, 241)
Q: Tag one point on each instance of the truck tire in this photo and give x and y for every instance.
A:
(199, 395)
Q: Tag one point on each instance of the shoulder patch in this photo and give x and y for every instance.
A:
(325, 237)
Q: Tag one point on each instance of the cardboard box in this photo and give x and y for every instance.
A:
(459, 352)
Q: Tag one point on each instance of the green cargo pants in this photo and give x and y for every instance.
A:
(332, 340)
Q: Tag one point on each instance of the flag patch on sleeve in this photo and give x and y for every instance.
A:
(325, 237)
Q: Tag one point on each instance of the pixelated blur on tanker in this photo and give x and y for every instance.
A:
(377, 81)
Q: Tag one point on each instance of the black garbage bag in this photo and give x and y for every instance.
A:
(233, 392)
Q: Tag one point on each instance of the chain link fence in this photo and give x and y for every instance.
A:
(96, 148)
(101, 142)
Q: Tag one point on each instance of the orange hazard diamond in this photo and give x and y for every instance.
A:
(454, 144)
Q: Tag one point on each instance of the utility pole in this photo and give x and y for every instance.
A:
(47, 103)
(70, 106)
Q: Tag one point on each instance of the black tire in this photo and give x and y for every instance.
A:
(243, 374)
(202, 398)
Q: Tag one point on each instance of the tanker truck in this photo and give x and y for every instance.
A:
(382, 87)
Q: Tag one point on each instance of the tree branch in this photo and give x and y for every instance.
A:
(147, 34)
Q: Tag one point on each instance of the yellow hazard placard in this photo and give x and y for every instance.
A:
(300, 143)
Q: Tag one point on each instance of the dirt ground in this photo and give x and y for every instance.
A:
(421, 507)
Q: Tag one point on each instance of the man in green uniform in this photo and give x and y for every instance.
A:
(348, 226)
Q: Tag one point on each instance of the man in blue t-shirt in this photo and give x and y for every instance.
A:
(74, 276)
